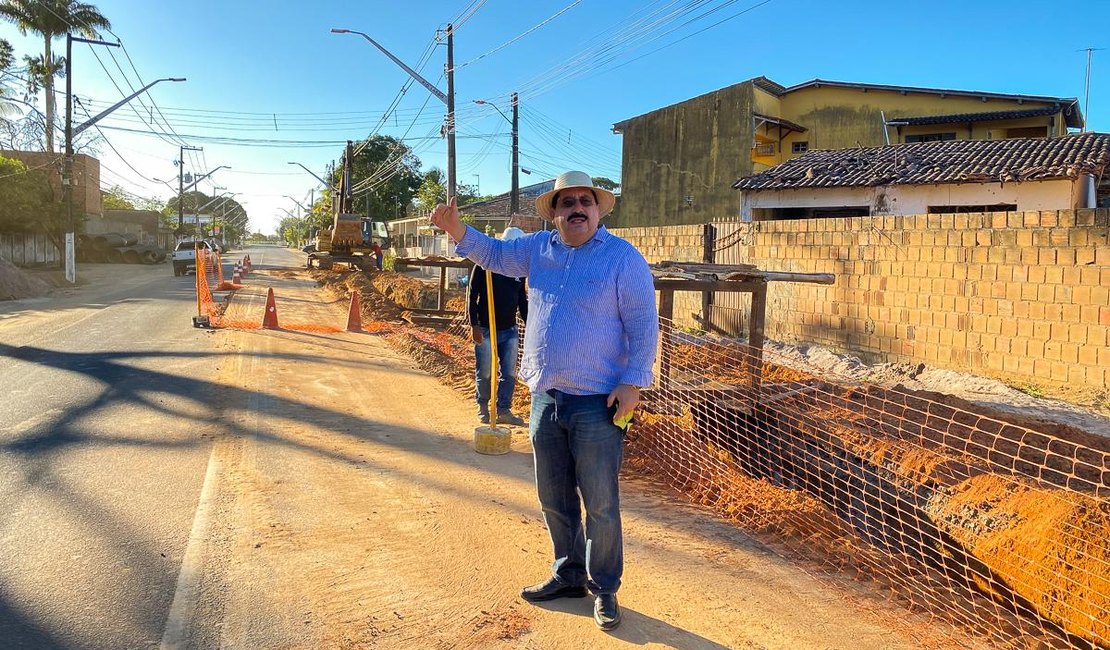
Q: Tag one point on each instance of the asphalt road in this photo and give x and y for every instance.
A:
(106, 428)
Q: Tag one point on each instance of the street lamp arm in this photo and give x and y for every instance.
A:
(326, 184)
(412, 73)
(81, 127)
(198, 179)
(483, 102)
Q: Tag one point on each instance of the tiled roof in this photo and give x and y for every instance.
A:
(499, 205)
(950, 161)
(964, 118)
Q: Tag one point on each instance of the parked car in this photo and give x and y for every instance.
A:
(184, 255)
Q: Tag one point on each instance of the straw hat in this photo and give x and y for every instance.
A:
(567, 180)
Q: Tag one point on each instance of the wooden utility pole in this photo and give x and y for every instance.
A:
(451, 179)
(514, 198)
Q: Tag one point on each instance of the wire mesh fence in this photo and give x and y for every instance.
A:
(991, 525)
(997, 528)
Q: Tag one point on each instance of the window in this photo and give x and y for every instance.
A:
(800, 147)
(956, 209)
(930, 137)
(779, 214)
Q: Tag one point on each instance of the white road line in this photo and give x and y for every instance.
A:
(184, 604)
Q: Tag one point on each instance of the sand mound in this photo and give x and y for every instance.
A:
(15, 284)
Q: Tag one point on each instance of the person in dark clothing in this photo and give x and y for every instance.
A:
(509, 297)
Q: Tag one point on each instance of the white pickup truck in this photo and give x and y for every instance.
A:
(184, 255)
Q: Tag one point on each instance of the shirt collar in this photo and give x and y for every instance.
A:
(600, 237)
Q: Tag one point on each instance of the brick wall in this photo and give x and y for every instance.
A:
(674, 243)
(1020, 296)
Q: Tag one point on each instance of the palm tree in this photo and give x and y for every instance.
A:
(50, 19)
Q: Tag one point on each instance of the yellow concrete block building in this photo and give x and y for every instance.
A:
(680, 161)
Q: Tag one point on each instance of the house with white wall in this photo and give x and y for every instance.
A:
(1062, 173)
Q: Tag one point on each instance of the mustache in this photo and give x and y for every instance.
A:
(577, 214)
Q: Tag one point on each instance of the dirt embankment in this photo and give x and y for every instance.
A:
(15, 284)
(385, 298)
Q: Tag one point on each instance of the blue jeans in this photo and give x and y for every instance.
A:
(578, 453)
(507, 343)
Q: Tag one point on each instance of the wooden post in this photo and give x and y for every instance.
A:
(666, 321)
(708, 240)
(758, 317)
(441, 301)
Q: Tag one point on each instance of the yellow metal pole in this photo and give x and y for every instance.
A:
(493, 365)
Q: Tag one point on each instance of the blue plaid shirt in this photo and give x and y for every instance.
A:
(592, 319)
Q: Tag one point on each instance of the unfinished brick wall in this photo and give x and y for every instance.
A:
(1020, 296)
(677, 244)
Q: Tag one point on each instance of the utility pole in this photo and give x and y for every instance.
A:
(67, 161)
(451, 180)
(514, 198)
(1087, 85)
(448, 99)
(181, 184)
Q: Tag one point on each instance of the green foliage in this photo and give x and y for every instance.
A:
(115, 198)
(28, 203)
(51, 19)
(294, 231)
(393, 173)
(432, 191)
(1032, 390)
(605, 183)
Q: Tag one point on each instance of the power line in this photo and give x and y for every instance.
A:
(522, 35)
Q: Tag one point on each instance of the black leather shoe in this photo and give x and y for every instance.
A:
(552, 589)
(607, 613)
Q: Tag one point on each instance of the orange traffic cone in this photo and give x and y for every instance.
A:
(235, 277)
(270, 320)
(249, 265)
(244, 266)
(354, 316)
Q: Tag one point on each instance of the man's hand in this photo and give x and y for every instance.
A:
(626, 397)
(446, 217)
(477, 335)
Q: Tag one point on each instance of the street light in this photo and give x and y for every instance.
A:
(67, 162)
(448, 99)
(299, 204)
(514, 196)
(192, 184)
(93, 120)
(326, 184)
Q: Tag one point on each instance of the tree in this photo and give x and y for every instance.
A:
(605, 183)
(50, 19)
(115, 198)
(432, 191)
(26, 194)
(389, 173)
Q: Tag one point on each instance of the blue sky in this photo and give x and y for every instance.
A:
(269, 84)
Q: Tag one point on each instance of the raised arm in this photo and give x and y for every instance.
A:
(446, 217)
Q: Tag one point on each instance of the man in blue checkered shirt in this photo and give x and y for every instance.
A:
(589, 347)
